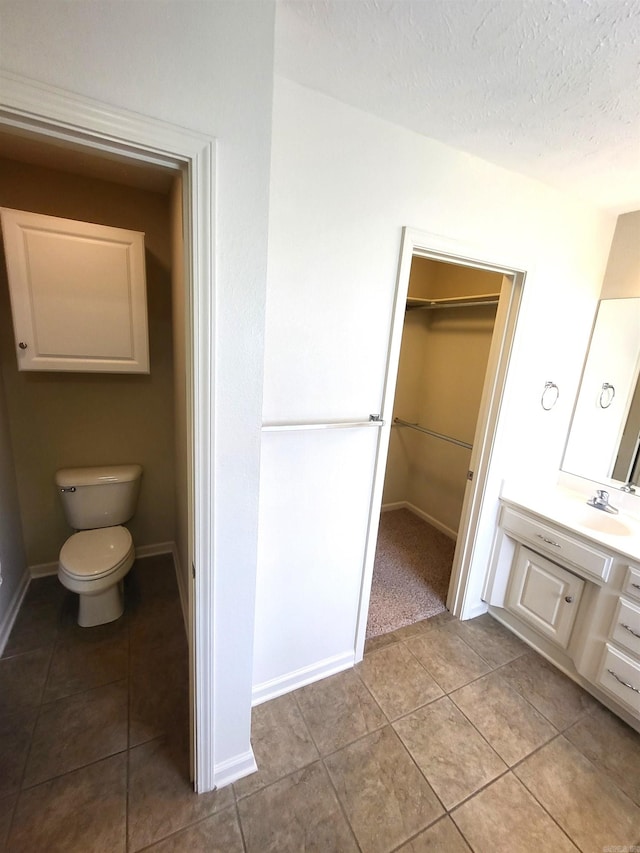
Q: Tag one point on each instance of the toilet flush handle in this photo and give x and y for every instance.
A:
(68, 489)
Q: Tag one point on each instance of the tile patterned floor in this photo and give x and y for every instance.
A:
(448, 737)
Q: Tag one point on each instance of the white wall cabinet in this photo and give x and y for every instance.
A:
(78, 294)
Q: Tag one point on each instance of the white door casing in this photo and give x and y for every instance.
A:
(470, 561)
(52, 114)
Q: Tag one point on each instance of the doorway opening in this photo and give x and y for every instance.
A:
(446, 338)
(486, 279)
(124, 143)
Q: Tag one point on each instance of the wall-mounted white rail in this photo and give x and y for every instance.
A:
(430, 432)
(414, 303)
(374, 421)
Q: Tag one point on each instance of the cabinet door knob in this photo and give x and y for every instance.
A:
(22, 345)
(568, 599)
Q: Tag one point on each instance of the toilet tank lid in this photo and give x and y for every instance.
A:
(98, 475)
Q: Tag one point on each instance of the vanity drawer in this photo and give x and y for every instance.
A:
(620, 676)
(587, 559)
(632, 583)
(625, 629)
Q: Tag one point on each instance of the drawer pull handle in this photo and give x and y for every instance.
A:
(548, 541)
(625, 683)
(636, 585)
(630, 630)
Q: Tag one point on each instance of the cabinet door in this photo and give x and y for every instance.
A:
(78, 294)
(544, 595)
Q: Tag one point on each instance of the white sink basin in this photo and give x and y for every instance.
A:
(602, 522)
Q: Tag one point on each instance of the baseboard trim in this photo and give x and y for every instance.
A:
(300, 677)
(234, 768)
(452, 534)
(477, 610)
(43, 570)
(6, 624)
(155, 550)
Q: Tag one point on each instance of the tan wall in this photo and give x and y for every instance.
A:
(440, 380)
(67, 419)
(622, 276)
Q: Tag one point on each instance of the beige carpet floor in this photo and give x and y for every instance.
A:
(411, 572)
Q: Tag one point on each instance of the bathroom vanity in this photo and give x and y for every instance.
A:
(565, 577)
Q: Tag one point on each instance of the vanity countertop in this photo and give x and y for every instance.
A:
(569, 509)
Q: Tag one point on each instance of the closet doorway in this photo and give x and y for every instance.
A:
(448, 327)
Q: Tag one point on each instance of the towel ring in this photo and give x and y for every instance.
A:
(550, 396)
(607, 394)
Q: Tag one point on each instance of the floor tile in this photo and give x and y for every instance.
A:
(157, 622)
(374, 643)
(22, 679)
(437, 621)
(298, 814)
(386, 798)
(77, 731)
(612, 745)
(561, 700)
(81, 811)
(96, 657)
(219, 833)
(338, 710)
(7, 805)
(281, 743)
(16, 731)
(512, 726)
(161, 797)
(159, 691)
(442, 837)
(491, 640)
(398, 682)
(504, 816)
(448, 658)
(36, 626)
(455, 759)
(593, 812)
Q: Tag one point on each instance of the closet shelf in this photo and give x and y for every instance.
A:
(448, 438)
(414, 302)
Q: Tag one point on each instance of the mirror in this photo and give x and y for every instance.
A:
(604, 439)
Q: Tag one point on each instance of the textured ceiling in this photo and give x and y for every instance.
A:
(547, 88)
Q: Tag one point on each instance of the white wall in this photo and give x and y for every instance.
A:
(343, 184)
(205, 66)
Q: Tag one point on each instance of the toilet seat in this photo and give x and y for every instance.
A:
(92, 554)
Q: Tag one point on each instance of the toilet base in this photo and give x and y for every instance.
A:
(105, 606)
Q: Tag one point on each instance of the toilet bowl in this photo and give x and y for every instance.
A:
(94, 561)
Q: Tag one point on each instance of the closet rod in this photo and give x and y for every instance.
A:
(434, 434)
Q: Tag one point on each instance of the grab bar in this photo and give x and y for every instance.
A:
(374, 421)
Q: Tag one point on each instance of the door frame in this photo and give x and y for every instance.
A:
(56, 115)
(481, 495)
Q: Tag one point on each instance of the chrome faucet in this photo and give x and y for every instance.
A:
(601, 501)
(628, 487)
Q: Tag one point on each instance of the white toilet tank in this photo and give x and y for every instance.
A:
(99, 497)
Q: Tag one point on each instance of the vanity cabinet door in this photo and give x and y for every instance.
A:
(544, 595)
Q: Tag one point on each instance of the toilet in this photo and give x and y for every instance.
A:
(93, 561)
